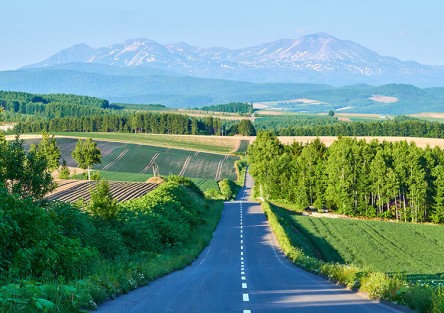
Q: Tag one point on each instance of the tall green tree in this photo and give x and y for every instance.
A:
(261, 154)
(102, 204)
(48, 149)
(246, 128)
(24, 174)
(437, 214)
(86, 154)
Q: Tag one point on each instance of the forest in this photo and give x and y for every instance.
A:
(398, 127)
(136, 122)
(232, 107)
(376, 179)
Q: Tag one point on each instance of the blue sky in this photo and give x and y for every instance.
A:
(32, 30)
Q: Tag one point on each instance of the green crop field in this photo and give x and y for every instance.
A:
(413, 251)
(212, 144)
(135, 161)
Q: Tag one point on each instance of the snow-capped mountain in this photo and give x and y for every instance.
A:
(317, 58)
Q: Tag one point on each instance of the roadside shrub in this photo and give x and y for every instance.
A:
(139, 231)
(108, 241)
(34, 246)
(348, 275)
(228, 189)
(214, 194)
(180, 180)
(438, 300)
(420, 297)
(72, 221)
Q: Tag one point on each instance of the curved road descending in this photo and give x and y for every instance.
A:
(242, 270)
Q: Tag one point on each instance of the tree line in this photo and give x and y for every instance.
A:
(397, 127)
(138, 122)
(232, 107)
(376, 179)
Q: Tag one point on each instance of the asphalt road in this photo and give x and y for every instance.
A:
(242, 270)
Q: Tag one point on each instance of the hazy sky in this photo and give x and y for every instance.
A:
(32, 30)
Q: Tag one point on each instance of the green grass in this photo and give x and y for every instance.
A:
(411, 250)
(129, 177)
(205, 184)
(196, 143)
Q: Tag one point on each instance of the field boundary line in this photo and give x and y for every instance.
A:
(153, 159)
(185, 165)
(121, 155)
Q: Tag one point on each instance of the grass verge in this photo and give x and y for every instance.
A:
(420, 297)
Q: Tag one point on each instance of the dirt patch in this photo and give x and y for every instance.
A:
(155, 180)
(384, 99)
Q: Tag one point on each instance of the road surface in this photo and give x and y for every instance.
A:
(242, 270)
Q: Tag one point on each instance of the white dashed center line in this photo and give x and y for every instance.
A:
(245, 296)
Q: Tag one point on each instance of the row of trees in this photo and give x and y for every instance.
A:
(139, 122)
(406, 128)
(26, 103)
(392, 180)
(232, 107)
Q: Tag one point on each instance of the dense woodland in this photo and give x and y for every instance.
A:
(70, 113)
(402, 127)
(376, 179)
(232, 107)
(140, 122)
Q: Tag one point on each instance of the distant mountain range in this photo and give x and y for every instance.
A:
(180, 75)
(318, 58)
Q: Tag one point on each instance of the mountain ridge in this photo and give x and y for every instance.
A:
(315, 58)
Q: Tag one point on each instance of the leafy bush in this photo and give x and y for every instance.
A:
(228, 188)
(33, 245)
(83, 259)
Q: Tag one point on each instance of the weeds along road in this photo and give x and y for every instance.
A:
(242, 270)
